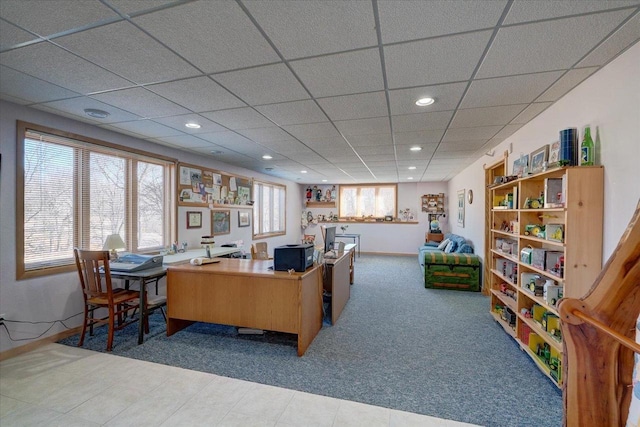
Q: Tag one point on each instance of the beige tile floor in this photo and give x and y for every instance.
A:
(59, 385)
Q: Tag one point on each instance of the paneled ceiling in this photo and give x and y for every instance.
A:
(327, 87)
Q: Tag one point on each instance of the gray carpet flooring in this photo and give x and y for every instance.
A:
(396, 345)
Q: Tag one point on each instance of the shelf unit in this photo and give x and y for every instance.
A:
(532, 320)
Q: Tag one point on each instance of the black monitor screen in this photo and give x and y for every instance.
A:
(329, 239)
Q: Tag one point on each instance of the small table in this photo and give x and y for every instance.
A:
(434, 237)
(353, 237)
(144, 277)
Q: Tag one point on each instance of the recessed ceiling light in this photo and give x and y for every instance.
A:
(267, 157)
(192, 125)
(303, 171)
(412, 168)
(425, 101)
(98, 114)
(410, 177)
(216, 152)
(324, 180)
(415, 148)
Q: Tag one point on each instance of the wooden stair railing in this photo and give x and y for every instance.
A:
(599, 339)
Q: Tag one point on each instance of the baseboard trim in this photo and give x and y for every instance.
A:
(33, 345)
(386, 253)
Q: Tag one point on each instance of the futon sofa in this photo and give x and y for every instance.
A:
(450, 264)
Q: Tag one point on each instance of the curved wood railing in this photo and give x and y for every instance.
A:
(599, 339)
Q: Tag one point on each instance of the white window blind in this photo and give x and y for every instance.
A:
(76, 193)
(358, 201)
(269, 209)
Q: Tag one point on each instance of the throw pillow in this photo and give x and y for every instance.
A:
(465, 249)
(450, 247)
(443, 244)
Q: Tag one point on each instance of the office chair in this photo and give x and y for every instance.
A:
(259, 251)
(98, 292)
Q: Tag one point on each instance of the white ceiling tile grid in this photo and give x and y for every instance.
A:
(327, 86)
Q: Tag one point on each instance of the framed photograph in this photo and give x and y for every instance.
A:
(538, 159)
(194, 219)
(221, 222)
(554, 154)
(520, 165)
(243, 218)
(461, 194)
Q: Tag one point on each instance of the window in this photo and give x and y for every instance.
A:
(74, 192)
(376, 201)
(269, 209)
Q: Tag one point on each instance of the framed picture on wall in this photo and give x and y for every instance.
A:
(221, 222)
(194, 219)
(461, 194)
(243, 218)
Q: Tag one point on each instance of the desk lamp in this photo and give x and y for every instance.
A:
(113, 242)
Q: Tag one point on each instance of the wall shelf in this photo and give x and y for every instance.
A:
(312, 204)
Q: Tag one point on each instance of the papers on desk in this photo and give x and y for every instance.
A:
(202, 260)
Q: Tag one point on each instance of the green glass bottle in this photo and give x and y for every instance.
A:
(586, 149)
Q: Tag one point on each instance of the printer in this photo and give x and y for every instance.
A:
(296, 257)
(135, 262)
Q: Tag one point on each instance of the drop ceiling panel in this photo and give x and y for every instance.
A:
(147, 127)
(136, 6)
(341, 74)
(186, 141)
(239, 118)
(266, 134)
(293, 113)
(315, 27)
(178, 122)
(412, 64)
(508, 90)
(30, 89)
(533, 10)
(285, 147)
(567, 82)
(369, 140)
(53, 64)
(11, 35)
(197, 94)
(361, 106)
(423, 121)
(214, 36)
(378, 125)
(312, 131)
(544, 52)
(76, 107)
(486, 116)
(45, 17)
(263, 85)
(142, 102)
(447, 96)
(421, 19)
(419, 138)
(387, 150)
(616, 43)
(530, 112)
(225, 139)
(469, 134)
(143, 61)
(507, 131)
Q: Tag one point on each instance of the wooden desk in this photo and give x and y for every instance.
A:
(337, 282)
(246, 293)
(351, 248)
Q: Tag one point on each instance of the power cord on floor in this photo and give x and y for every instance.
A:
(52, 322)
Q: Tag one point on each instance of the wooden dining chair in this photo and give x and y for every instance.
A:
(260, 251)
(98, 292)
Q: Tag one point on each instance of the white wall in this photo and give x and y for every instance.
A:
(58, 297)
(609, 101)
(391, 238)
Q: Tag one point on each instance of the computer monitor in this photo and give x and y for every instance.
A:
(329, 239)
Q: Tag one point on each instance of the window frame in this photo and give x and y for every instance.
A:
(258, 206)
(359, 187)
(81, 207)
